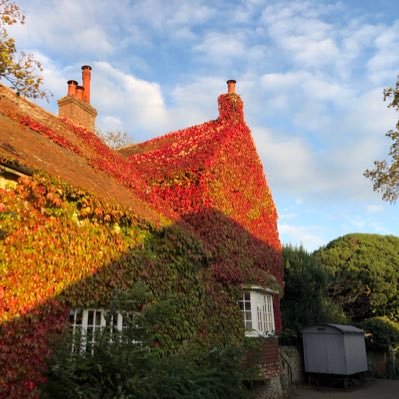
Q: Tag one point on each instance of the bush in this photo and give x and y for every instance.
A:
(133, 366)
(381, 332)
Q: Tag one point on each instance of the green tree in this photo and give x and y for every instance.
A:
(382, 332)
(385, 175)
(364, 274)
(19, 69)
(306, 297)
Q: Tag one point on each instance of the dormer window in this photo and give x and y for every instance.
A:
(256, 306)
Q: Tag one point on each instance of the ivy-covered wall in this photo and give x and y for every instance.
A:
(54, 256)
(213, 169)
(62, 248)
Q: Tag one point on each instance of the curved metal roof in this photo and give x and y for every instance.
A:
(343, 328)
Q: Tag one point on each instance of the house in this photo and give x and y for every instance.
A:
(189, 212)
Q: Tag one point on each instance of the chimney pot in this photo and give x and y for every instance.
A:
(231, 86)
(72, 88)
(86, 77)
(80, 92)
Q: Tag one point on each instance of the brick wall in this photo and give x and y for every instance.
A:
(78, 111)
(265, 355)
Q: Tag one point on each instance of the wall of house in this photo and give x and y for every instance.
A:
(265, 354)
(77, 250)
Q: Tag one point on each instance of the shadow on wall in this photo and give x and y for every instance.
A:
(204, 275)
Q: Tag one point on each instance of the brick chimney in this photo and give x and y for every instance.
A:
(231, 107)
(76, 104)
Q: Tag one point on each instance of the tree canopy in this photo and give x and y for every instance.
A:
(19, 69)
(306, 297)
(353, 279)
(364, 274)
(385, 175)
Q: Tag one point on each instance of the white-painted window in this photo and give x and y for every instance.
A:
(257, 312)
(86, 326)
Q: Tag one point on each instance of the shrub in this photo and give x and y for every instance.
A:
(128, 368)
(381, 332)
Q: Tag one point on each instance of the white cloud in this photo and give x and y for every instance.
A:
(368, 115)
(152, 18)
(311, 52)
(221, 47)
(384, 63)
(189, 13)
(309, 237)
(136, 105)
(138, 102)
(313, 87)
(196, 102)
(357, 222)
(372, 208)
(110, 123)
(70, 28)
(356, 39)
(289, 162)
(295, 167)
(297, 30)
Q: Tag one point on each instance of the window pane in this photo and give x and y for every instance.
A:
(124, 323)
(72, 317)
(98, 318)
(78, 316)
(90, 317)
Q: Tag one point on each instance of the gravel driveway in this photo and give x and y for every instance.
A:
(375, 389)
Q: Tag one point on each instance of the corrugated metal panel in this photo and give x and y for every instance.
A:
(324, 353)
(334, 349)
(355, 350)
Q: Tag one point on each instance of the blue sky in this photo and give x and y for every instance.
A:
(311, 74)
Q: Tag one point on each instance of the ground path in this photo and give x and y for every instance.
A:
(374, 389)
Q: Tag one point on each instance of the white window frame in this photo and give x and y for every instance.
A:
(256, 305)
(88, 323)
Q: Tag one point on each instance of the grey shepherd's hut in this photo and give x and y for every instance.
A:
(334, 349)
